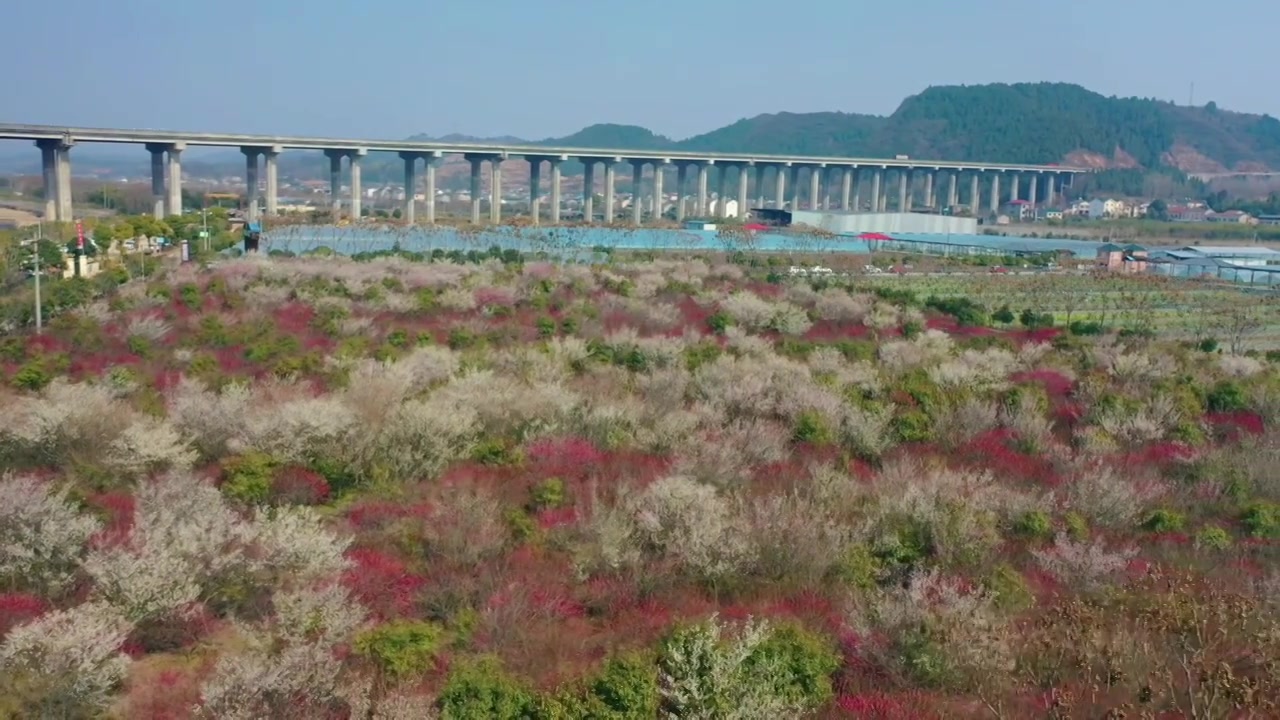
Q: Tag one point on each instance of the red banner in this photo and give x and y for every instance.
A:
(80, 234)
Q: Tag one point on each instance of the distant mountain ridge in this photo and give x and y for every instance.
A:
(1018, 123)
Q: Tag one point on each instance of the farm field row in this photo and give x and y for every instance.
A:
(1177, 308)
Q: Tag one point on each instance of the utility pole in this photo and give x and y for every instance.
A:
(204, 220)
(36, 269)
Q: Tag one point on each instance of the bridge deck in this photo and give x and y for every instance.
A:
(141, 136)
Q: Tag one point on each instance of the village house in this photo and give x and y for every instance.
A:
(1237, 217)
(1121, 258)
(1109, 208)
(1188, 213)
(1019, 210)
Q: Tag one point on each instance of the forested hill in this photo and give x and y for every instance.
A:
(1027, 122)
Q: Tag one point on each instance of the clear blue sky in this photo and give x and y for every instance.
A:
(541, 68)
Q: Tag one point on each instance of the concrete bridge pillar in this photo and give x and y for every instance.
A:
(760, 185)
(1031, 192)
(722, 194)
(429, 189)
(55, 158)
(588, 190)
(682, 181)
(779, 186)
(1015, 179)
(846, 189)
(495, 190)
(877, 178)
(637, 197)
(555, 190)
(65, 211)
(610, 176)
(1050, 190)
(702, 190)
(659, 169)
(928, 191)
(335, 181)
(815, 187)
(953, 192)
(49, 168)
(477, 163)
(974, 199)
(408, 214)
(904, 178)
(175, 178)
(271, 161)
(793, 182)
(158, 196)
(535, 190)
(357, 190)
(995, 193)
(251, 182)
(855, 202)
(744, 177)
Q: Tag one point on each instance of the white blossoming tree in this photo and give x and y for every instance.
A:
(64, 664)
(42, 535)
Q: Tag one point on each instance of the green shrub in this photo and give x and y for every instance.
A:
(964, 310)
(923, 658)
(1208, 345)
(401, 648)
(1083, 327)
(1262, 519)
(1213, 538)
(549, 493)
(904, 547)
(858, 567)
(719, 322)
(493, 452)
(923, 390)
(625, 689)
(546, 326)
(1033, 320)
(811, 427)
(803, 661)
(1226, 396)
(913, 426)
(13, 349)
(398, 338)
(1035, 524)
(479, 689)
(31, 376)
(1077, 526)
(461, 338)
(699, 354)
(522, 526)
(1009, 589)
(189, 294)
(212, 332)
(139, 346)
(1164, 521)
(247, 477)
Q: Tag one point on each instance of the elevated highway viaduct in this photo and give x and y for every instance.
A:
(1042, 182)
